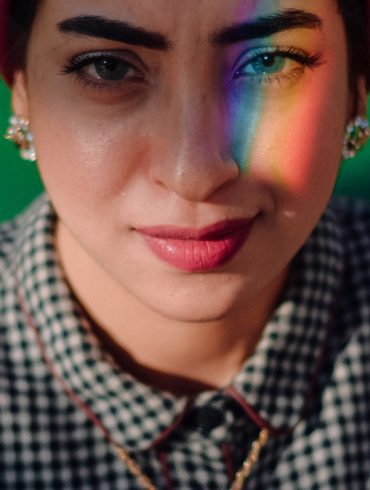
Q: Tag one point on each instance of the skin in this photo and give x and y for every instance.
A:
(187, 149)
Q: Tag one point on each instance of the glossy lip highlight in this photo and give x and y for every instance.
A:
(198, 250)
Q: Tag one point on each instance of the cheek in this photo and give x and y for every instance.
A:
(303, 150)
(292, 140)
(88, 162)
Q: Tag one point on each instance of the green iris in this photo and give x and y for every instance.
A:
(267, 64)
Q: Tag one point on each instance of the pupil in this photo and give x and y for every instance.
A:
(268, 60)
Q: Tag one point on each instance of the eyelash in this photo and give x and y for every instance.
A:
(77, 63)
(291, 53)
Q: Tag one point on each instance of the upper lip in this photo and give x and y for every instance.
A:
(215, 231)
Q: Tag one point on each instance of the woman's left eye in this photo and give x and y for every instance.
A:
(271, 65)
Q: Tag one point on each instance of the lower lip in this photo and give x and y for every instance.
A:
(198, 255)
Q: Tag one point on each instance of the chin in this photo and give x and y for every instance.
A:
(195, 313)
(199, 301)
(194, 317)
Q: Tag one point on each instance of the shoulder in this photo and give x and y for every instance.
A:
(350, 326)
(8, 232)
(15, 233)
(20, 242)
(353, 217)
(350, 206)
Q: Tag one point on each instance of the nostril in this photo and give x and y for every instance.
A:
(193, 167)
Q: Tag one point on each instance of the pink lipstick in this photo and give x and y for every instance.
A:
(198, 250)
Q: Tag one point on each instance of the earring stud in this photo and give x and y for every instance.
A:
(356, 136)
(20, 134)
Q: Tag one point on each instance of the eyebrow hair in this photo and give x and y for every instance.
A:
(113, 30)
(266, 26)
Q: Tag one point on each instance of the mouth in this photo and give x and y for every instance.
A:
(198, 250)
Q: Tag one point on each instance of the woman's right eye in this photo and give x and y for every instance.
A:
(103, 68)
(109, 69)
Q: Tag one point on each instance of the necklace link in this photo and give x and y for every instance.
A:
(251, 460)
(134, 468)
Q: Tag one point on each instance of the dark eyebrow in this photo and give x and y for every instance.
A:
(266, 26)
(113, 30)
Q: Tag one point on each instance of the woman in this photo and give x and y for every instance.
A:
(188, 309)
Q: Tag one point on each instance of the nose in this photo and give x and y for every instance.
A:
(196, 162)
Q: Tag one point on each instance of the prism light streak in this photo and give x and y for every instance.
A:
(291, 144)
(246, 109)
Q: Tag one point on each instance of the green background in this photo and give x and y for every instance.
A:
(20, 182)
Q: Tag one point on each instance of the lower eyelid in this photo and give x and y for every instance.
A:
(275, 79)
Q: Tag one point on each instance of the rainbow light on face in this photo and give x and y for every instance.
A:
(277, 131)
(245, 112)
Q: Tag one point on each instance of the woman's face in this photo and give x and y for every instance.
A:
(155, 120)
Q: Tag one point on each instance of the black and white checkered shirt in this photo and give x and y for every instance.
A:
(62, 397)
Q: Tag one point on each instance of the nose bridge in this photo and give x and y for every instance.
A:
(196, 164)
(197, 126)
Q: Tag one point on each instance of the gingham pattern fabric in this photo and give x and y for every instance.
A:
(308, 380)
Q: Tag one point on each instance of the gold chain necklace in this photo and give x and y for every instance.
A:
(240, 477)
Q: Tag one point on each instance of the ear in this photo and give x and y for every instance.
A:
(358, 99)
(362, 97)
(20, 103)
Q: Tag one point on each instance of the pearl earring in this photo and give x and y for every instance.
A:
(20, 134)
(356, 136)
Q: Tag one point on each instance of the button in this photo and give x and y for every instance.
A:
(204, 419)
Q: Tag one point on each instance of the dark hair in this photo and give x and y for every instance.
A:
(21, 15)
(355, 13)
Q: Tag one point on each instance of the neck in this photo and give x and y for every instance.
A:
(181, 357)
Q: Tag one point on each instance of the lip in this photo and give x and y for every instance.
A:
(198, 249)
